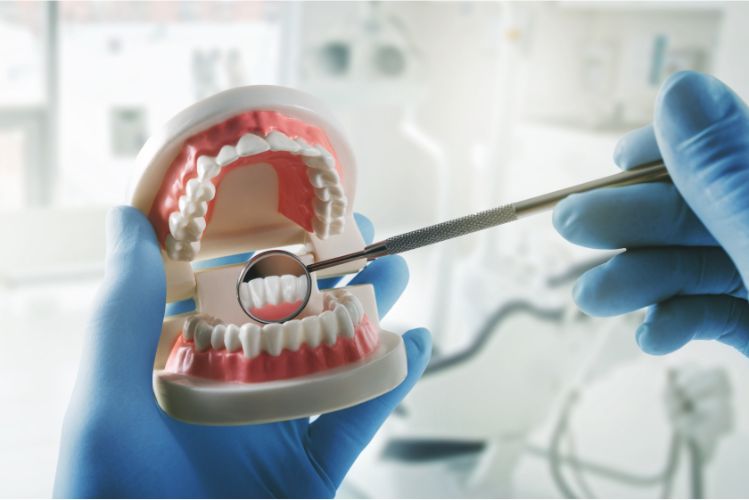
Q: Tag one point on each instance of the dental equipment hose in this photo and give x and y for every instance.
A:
(649, 172)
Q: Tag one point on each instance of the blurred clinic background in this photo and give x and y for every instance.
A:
(474, 103)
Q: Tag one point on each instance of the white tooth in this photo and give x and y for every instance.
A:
(249, 336)
(288, 288)
(227, 155)
(301, 287)
(273, 338)
(330, 177)
(250, 144)
(323, 209)
(231, 338)
(337, 225)
(188, 330)
(329, 301)
(329, 327)
(322, 194)
(338, 208)
(200, 191)
(293, 334)
(257, 292)
(181, 250)
(329, 158)
(354, 309)
(312, 330)
(245, 297)
(317, 162)
(193, 229)
(321, 228)
(203, 336)
(336, 191)
(316, 178)
(177, 223)
(345, 324)
(305, 149)
(192, 209)
(280, 142)
(207, 168)
(217, 336)
(272, 289)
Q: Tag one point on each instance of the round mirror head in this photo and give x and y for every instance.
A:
(274, 287)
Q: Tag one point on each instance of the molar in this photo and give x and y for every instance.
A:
(181, 250)
(203, 334)
(192, 209)
(200, 191)
(188, 330)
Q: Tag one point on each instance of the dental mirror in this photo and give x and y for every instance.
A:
(275, 286)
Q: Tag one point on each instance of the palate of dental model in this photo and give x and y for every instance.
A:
(187, 224)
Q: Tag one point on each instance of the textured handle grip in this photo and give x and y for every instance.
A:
(450, 229)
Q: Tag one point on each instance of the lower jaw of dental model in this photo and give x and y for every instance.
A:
(212, 349)
(234, 174)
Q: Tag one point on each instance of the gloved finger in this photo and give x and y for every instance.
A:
(638, 278)
(702, 129)
(637, 148)
(366, 228)
(336, 439)
(389, 275)
(129, 308)
(671, 324)
(652, 214)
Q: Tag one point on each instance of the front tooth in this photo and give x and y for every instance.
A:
(207, 168)
(249, 337)
(217, 336)
(192, 209)
(280, 142)
(301, 288)
(257, 292)
(273, 338)
(293, 334)
(199, 191)
(288, 288)
(231, 338)
(329, 327)
(227, 155)
(203, 336)
(272, 289)
(312, 330)
(245, 297)
(250, 144)
(345, 324)
(188, 330)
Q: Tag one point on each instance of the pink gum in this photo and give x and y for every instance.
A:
(235, 367)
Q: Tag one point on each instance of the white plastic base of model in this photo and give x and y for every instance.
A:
(203, 401)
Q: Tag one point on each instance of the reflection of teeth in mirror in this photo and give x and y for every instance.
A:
(187, 224)
(272, 290)
(343, 313)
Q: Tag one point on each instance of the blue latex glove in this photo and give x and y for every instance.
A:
(116, 440)
(688, 243)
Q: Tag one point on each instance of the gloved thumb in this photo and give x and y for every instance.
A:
(129, 308)
(702, 129)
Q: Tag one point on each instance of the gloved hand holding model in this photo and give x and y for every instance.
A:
(688, 242)
(118, 442)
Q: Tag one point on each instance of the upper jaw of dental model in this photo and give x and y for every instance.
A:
(187, 224)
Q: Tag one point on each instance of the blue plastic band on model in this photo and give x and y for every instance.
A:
(222, 261)
(180, 307)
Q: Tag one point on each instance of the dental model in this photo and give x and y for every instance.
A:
(249, 169)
